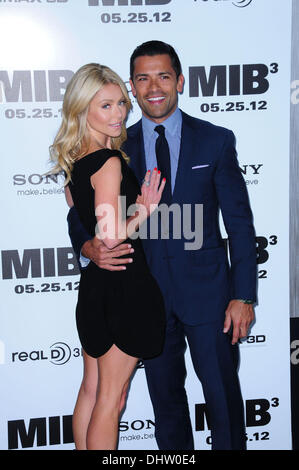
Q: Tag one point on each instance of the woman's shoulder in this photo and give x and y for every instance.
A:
(100, 154)
(93, 161)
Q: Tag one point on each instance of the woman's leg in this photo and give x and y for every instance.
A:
(114, 370)
(85, 401)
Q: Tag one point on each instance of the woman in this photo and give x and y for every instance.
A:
(120, 314)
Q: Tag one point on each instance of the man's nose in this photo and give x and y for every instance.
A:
(154, 85)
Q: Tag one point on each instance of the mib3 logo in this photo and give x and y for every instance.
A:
(223, 80)
(37, 263)
(33, 85)
(120, 3)
(44, 431)
(56, 430)
(258, 412)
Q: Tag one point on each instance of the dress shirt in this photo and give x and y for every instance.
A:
(173, 126)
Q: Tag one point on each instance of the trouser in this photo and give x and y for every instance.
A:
(215, 363)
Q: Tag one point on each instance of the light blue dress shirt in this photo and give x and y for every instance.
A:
(173, 127)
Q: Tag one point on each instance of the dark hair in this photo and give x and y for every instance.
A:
(152, 48)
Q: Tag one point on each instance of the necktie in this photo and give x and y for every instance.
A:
(163, 162)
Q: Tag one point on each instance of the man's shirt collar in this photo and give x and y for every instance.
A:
(172, 124)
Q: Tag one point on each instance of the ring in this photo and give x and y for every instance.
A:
(147, 183)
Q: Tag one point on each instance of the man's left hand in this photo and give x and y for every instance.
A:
(240, 316)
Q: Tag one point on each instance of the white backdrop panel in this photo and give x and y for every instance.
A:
(43, 43)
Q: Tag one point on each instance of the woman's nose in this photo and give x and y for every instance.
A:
(117, 112)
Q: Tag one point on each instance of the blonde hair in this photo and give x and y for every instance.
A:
(72, 139)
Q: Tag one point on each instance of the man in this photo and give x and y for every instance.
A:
(205, 298)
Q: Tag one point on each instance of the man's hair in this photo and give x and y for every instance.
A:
(151, 48)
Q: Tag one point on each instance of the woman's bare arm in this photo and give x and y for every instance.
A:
(113, 229)
(68, 197)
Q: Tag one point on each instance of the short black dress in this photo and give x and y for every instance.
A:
(125, 307)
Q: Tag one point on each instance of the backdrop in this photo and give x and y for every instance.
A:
(236, 58)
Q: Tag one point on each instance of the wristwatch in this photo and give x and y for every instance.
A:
(245, 301)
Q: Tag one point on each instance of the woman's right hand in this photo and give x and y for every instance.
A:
(151, 191)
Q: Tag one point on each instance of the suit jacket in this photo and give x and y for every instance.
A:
(198, 284)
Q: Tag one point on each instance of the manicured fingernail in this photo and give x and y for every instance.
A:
(159, 172)
(132, 251)
(155, 169)
(164, 179)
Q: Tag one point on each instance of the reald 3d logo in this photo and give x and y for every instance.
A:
(236, 3)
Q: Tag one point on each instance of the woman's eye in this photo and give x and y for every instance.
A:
(122, 102)
(105, 106)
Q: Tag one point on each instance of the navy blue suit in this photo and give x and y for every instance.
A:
(198, 284)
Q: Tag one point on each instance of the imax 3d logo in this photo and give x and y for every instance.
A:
(44, 262)
(222, 80)
(36, 85)
(112, 3)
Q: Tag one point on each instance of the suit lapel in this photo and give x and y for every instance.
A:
(134, 147)
(188, 139)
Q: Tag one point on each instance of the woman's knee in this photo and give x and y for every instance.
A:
(89, 387)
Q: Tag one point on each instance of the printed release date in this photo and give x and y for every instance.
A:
(233, 106)
(36, 113)
(256, 436)
(158, 17)
(46, 287)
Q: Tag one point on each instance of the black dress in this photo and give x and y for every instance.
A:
(126, 307)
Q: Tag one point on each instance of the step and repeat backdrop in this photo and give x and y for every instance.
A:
(236, 58)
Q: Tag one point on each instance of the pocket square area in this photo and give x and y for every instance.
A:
(199, 166)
